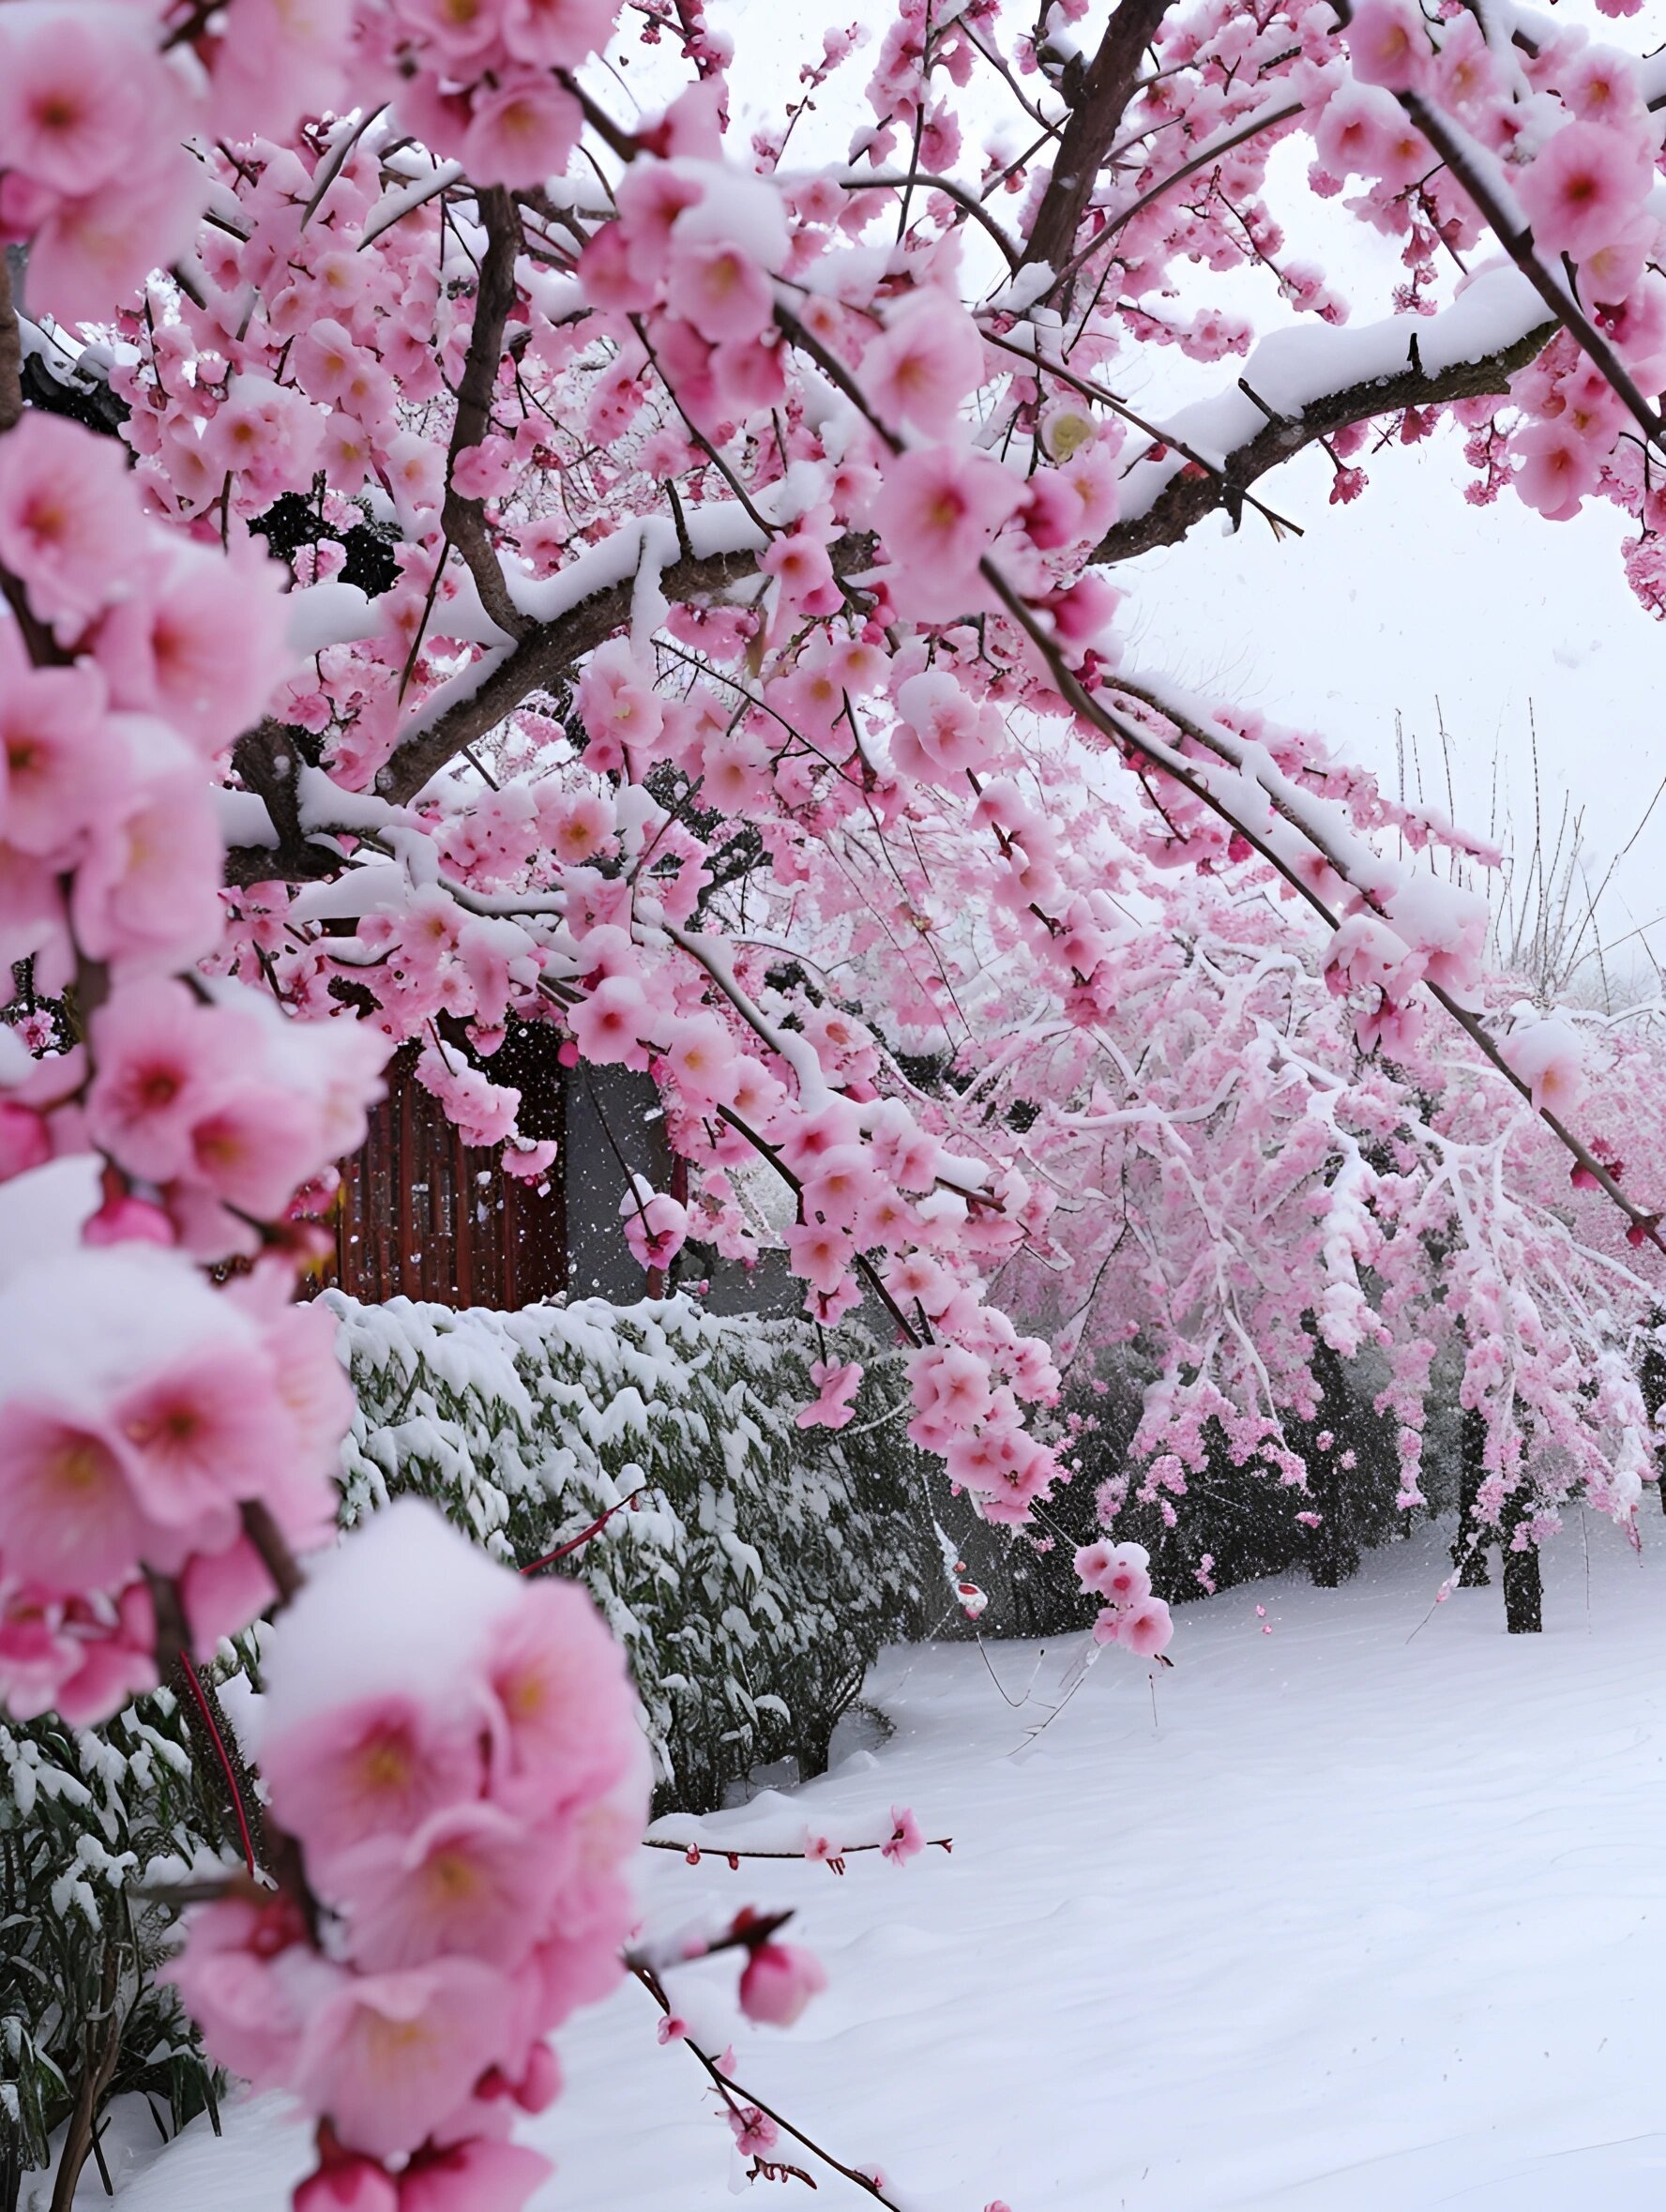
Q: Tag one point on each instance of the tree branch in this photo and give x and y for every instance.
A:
(11, 351)
(1099, 97)
(268, 764)
(1518, 243)
(549, 649)
(1185, 499)
(465, 520)
(546, 651)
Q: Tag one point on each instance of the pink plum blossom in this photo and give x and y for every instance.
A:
(463, 1884)
(377, 1766)
(1148, 1629)
(348, 2184)
(161, 1060)
(70, 1519)
(906, 1839)
(938, 510)
(925, 364)
(390, 2058)
(608, 1024)
(720, 289)
(837, 1383)
(522, 133)
(563, 1710)
(1584, 186)
(1388, 45)
(63, 496)
(777, 1982)
(200, 1432)
(655, 1225)
(556, 34)
(477, 2175)
(1549, 1057)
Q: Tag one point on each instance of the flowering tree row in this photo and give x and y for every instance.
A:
(743, 692)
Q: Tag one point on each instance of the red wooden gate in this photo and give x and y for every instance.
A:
(424, 1215)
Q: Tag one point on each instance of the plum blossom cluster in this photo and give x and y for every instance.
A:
(165, 1447)
(570, 888)
(1421, 1220)
(457, 1755)
(131, 665)
(97, 101)
(1131, 1616)
(144, 1420)
(1562, 125)
(749, 703)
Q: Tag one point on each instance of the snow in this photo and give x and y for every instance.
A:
(733, 209)
(331, 614)
(242, 816)
(406, 1607)
(721, 527)
(1369, 1914)
(43, 1212)
(395, 206)
(1289, 369)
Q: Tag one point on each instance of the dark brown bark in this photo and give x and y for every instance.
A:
(1523, 1589)
(1098, 94)
(1469, 1550)
(550, 649)
(268, 762)
(1187, 499)
(101, 2049)
(11, 352)
(465, 520)
(1334, 1557)
(1524, 1592)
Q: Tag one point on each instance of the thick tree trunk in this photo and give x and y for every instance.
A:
(1469, 1551)
(1334, 1557)
(1524, 1588)
(1524, 1592)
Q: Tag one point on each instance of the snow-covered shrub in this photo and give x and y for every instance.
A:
(84, 1815)
(759, 1566)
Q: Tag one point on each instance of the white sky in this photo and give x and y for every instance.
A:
(1411, 596)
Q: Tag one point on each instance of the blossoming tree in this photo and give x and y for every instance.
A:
(696, 633)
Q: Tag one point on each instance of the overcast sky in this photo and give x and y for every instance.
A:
(1410, 597)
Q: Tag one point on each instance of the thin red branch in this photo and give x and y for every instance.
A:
(585, 1534)
(205, 1714)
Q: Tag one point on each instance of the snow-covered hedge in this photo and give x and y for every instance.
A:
(759, 1566)
(85, 1814)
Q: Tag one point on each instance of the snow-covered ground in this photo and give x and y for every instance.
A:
(1369, 1913)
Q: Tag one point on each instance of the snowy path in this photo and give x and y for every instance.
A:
(1360, 1924)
